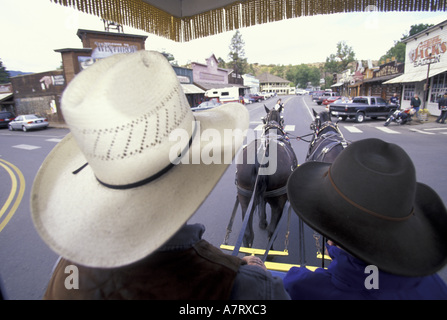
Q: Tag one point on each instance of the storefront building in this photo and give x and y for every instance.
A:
(193, 93)
(208, 76)
(425, 68)
(373, 82)
(97, 45)
(6, 98)
(39, 93)
(271, 83)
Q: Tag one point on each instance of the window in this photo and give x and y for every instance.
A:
(409, 91)
(438, 87)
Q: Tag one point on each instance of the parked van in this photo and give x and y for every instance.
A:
(225, 95)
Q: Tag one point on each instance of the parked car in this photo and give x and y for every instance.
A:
(248, 99)
(361, 107)
(256, 97)
(5, 118)
(326, 95)
(266, 95)
(207, 105)
(316, 95)
(28, 122)
(330, 100)
(300, 92)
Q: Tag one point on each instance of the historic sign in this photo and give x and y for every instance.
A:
(428, 51)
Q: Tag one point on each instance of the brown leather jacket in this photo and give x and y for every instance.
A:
(201, 272)
(185, 268)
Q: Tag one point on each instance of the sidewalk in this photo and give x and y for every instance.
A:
(62, 125)
(430, 119)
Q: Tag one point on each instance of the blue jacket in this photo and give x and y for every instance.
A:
(345, 278)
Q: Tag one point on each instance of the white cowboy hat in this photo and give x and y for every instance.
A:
(134, 194)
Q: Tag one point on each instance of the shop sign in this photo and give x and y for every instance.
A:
(387, 69)
(5, 88)
(183, 79)
(428, 51)
(105, 49)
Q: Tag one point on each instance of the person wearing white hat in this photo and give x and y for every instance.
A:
(114, 196)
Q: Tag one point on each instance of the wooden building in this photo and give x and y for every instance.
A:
(39, 93)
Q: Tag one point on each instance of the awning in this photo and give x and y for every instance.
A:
(185, 20)
(382, 78)
(338, 84)
(4, 96)
(415, 76)
(191, 89)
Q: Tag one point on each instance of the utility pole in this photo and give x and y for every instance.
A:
(426, 83)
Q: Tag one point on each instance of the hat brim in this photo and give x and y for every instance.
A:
(414, 247)
(96, 226)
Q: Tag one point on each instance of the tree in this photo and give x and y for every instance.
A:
(339, 61)
(416, 28)
(398, 50)
(237, 54)
(221, 63)
(170, 58)
(4, 75)
(302, 74)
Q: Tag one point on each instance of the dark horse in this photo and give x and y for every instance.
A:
(326, 144)
(327, 141)
(265, 163)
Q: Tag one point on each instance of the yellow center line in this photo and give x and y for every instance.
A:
(12, 193)
(13, 190)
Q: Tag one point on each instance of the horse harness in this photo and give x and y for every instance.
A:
(283, 140)
(332, 139)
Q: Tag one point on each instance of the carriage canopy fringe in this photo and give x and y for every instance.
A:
(140, 14)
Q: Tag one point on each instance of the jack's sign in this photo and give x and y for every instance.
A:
(428, 51)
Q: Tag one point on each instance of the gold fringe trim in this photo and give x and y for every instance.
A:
(141, 15)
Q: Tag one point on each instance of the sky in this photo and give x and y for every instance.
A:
(32, 29)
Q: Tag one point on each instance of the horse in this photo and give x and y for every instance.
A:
(327, 141)
(326, 144)
(263, 167)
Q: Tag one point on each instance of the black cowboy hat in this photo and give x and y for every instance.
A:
(369, 203)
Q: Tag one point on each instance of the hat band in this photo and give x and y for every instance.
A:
(151, 178)
(375, 214)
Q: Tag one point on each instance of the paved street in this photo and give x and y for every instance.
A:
(26, 262)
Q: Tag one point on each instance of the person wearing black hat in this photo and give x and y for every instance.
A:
(442, 105)
(387, 231)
